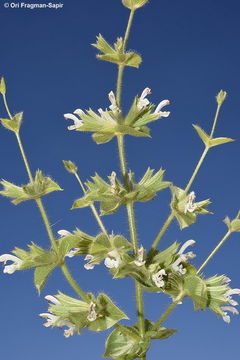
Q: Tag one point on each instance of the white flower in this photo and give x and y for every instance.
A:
(77, 122)
(115, 109)
(158, 278)
(52, 299)
(113, 260)
(228, 296)
(160, 106)
(225, 316)
(139, 261)
(53, 320)
(92, 316)
(71, 253)
(16, 265)
(142, 101)
(177, 266)
(64, 233)
(190, 206)
(90, 265)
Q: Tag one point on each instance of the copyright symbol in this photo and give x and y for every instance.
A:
(6, 5)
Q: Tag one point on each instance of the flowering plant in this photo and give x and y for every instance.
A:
(169, 271)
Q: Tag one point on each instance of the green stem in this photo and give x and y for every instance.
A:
(214, 250)
(122, 159)
(93, 208)
(73, 283)
(189, 184)
(162, 231)
(132, 226)
(119, 84)
(215, 120)
(127, 32)
(167, 312)
(24, 157)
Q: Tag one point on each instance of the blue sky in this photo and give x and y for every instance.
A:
(190, 51)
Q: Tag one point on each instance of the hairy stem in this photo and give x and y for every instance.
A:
(168, 311)
(214, 251)
(73, 283)
(93, 208)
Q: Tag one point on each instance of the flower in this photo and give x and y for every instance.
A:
(160, 106)
(90, 265)
(177, 266)
(190, 206)
(113, 260)
(16, 265)
(77, 122)
(92, 316)
(139, 261)
(115, 109)
(53, 320)
(71, 253)
(158, 278)
(142, 101)
(225, 315)
(228, 296)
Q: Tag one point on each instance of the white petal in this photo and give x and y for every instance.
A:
(161, 105)
(145, 92)
(71, 117)
(64, 233)
(78, 112)
(5, 257)
(52, 299)
(186, 245)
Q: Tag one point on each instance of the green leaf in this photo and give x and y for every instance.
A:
(101, 138)
(219, 141)
(203, 136)
(41, 275)
(34, 190)
(233, 225)
(128, 59)
(2, 86)
(122, 346)
(196, 289)
(108, 314)
(13, 124)
(161, 333)
(103, 45)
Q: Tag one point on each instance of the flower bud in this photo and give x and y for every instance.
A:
(2, 86)
(134, 4)
(70, 166)
(221, 96)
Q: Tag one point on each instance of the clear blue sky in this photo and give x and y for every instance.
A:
(190, 51)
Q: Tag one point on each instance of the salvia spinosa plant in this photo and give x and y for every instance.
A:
(169, 271)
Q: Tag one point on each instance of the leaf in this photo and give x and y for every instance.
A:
(203, 136)
(196, 289)
(122, 346)
(109, 314)
(161, 333)
(101, 138)
(103, 45)
(128, 59)
(13, 124)
(41, 275)
(219, 141)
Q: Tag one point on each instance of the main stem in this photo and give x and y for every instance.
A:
(130, 209)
